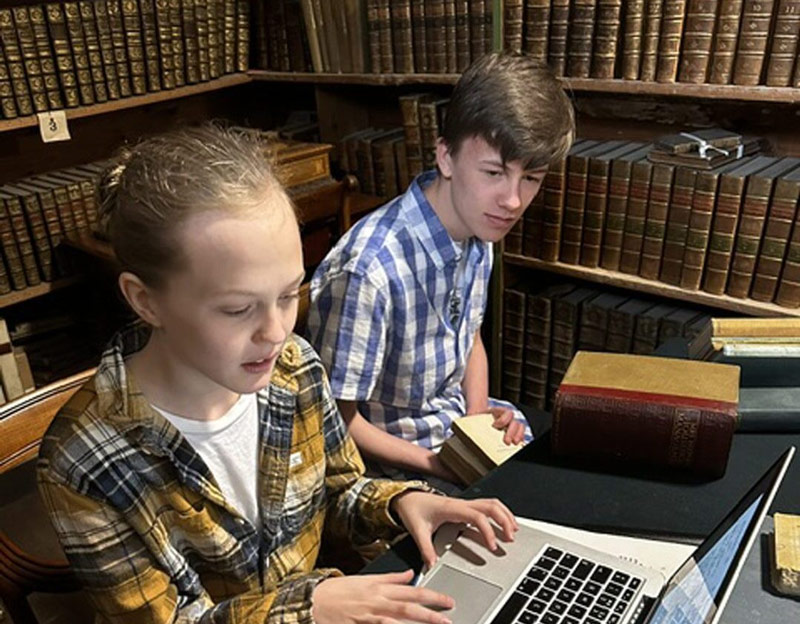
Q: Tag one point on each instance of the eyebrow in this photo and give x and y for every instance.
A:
(296, 283)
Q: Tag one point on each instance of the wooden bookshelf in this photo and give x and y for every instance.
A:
(378, 80)
(17, 296)
(231, 80)
(641, 285)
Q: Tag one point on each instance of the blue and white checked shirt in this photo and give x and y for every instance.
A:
(380, 317)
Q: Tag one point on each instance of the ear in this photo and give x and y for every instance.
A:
(140, 297)
(444, 159)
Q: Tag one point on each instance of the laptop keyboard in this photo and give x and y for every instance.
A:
(562, 588)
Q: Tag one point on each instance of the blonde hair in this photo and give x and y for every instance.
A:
(154, 186)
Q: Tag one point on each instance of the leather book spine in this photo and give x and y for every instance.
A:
(366, 166)
(80, 53)
(105, 41)
(8, 107)
(574, 206)
(698, 33)
(532, 230)
(30, 58)
(512, 25)
(594, 212)
(618, 187)
(133, 40)
(669, 44)
(488, 26)
(267, 52)
(553, 199)
(581, 33)
(788, 294)
(559, 29)
(777, 230)
(650, 39)
(678, 432)
(462, 35)
(632, 39)
(594, 323)
(477, 26)
(436, 36)
(655, 223)
(403, 178)
(93, 51)
(16, 66)
(606, 37)
(327, 33)
(646, 329)
(536, 22)
(229, 40)
(42, 200)
(41, 243)
(242, 35)
(429, 111)
(513, 240)
(450, 35)
(513, 343)
(385, 35)
(748, 236)
(694, 255)
(71, 222)
(380, 166)
(621, 326)
(419, 35)
(24, 240)
(150, 44)
(164, 39)
(538, 316)
(88, 188)
(565, 327)
(215, 17)
(409, 109)
(783, 50)
(723, 232)
(190, 41)
(11, 253)
(50, 74)
(401, 37)
(635, 217)
(677, 226)
(373, 28)
(726, 36)
(299, 41)
(752, 45)
(114, 18)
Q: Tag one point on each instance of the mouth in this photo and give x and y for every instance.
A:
(260, 366)
(498, 221)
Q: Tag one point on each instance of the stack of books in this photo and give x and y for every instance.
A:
(703, 149)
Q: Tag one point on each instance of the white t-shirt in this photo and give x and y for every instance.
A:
(229, 447)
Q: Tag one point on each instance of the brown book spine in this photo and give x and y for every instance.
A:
(595, 212)
(70, 221)
(366, 164)
(581, 33)
(512, 25)
(726, 36)
(594, 321)
(669, 44)
(677, 226)
(16, 66)
(47, 62)
(229, 38)
(536, 28)
(409, 109)
(622, 324)
(563, 340)
(698, 34)
(574, 207)
(650, 39)
(635, 217)
(723, 233)
(267, 35)
(655, 224)
(436, 36)
(538, 317)
(462, 35)
(752, 46)
(30, 58)
(80, 53)
(164, 39)
(8, 107)
(150, 44)
(11, 253)
(748, 237)
(418, 36)
(242, 35)
(93, 51)
(429, 130)
(513, 343)
(113, 12)
(618, 187)
(133, 42)
(646, 329)
(513, 240)
(632, 39)
(783, 51)
(24, 240)
(450, 35)
(667, 433)
(604, 51)
(402, 37)
(384, 23)
(477, 27)
(34, 218)
(401, 159)
(298, 52)
(374, 36)
(287, 29)
(488, 26)
(788, 294)
(105, 41)
(42, 200)
(201, 10)
(553, 199)
(559, 29)
(777, 230)
(531, 231)
(190, 41)
(697, 237)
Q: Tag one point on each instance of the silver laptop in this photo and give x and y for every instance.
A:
(542, 579)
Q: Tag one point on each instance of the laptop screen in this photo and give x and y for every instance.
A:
(698, 590)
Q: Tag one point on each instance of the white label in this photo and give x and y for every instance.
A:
(295, 459)
(53, 126)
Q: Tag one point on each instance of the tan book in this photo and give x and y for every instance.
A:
(9, 373)
(656, 222)
(669, 44)
(786, 561)
(726, 35)
(24, 368)
(632, 39)
(461, 461)
(606, 37)
(752, 46)
(698, 34)
(747, 327)
(635, 216)
(650, 39)
(677, 225)
(559, 28)
(581, 33)
(783, 50)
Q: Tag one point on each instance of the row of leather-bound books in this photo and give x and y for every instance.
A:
(543, 328)
(741, 42)
(729, 230)
(36, 214)
(68, 54)
(378, 36)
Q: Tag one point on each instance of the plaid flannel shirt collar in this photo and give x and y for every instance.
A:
(426, 225)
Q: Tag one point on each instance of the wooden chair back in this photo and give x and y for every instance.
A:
(23, 422)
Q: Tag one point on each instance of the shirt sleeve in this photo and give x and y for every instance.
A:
(348, 327)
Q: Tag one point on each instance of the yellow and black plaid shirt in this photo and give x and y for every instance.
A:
(146, 528)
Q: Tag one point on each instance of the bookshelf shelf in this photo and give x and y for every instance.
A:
(633, 282)
(378, 80)
(18, 296)
(231, 80)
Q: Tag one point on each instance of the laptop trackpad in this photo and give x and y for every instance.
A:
(472, 595)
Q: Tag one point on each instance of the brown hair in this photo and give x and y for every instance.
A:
(154, 186)
(517, 105)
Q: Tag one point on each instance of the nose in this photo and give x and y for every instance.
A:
(271, 328)
(512, 198)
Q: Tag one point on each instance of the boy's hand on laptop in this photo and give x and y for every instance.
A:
(422, 513)
(377, 598)
(504, 419)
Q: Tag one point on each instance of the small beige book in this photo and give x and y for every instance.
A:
(786, 571)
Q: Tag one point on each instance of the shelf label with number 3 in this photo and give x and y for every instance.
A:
(53, 126)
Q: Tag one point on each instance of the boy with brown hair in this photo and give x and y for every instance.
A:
(397, 305)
